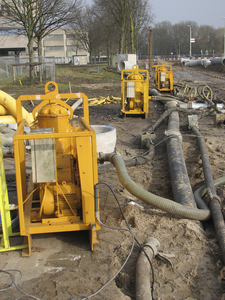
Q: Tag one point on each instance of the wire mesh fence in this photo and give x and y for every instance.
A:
(18, 68)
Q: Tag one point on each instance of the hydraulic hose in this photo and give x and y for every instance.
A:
(214, 200)
(157, 201)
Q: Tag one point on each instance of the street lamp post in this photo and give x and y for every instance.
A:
(190, 39)
(224, 38)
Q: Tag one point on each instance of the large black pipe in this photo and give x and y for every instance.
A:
(181, 186)
(214, 200)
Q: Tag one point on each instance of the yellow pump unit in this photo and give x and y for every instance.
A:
(60, 193)
(135, 92)
(163, 78)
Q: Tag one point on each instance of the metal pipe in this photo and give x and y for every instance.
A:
(181, 186)
(214, 200)
(218, 61)
(193, 63)
(143, 270)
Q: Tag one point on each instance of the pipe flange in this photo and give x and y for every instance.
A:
(153, 244)
(172, 132)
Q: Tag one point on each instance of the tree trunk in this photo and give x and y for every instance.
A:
(90, 57)
(132, 35)
(31, 56)
(40, 49)
(123, 51)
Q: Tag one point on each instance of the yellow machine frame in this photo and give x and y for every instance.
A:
(135, 102)
(163, 78)
(83, 141)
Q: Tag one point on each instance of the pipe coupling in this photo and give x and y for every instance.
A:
(175, 133)
(153, 244)
(102, 157)
(212, 197)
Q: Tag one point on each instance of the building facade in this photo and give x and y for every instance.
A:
(60, 44)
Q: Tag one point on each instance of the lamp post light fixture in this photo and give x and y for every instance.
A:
(224, 38)
(190, 39)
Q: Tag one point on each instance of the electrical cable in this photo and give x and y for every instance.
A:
(16, 285)
(109, 281)
(81, 297)
(131, 250)
(142, 248)
(7, 272)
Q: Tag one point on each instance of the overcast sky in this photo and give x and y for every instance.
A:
(175, 11)
(202, 12)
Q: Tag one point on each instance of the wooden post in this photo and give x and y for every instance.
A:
(40, 72)
(14, 74)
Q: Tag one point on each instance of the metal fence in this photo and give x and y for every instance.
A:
(21, 67)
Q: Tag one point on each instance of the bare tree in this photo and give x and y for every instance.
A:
(206, 39)
(86, 30)
(141, 16)
(181, 36)
(162, 38)
(55, 14)
(127, 18)
(40, 17)
(119, 10)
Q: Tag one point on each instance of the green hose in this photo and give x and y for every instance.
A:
(159, 202)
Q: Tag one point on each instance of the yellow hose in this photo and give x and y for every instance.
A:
(7, 119)
(3, 111)
(10, 103)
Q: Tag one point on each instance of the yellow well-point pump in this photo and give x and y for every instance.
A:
(163, 78)
(135, 92)
(60, 195)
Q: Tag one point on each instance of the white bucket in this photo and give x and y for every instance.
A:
(106, 138)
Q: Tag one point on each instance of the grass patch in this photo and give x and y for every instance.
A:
(86, 73)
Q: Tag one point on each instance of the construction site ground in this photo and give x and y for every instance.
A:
(62, 266)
